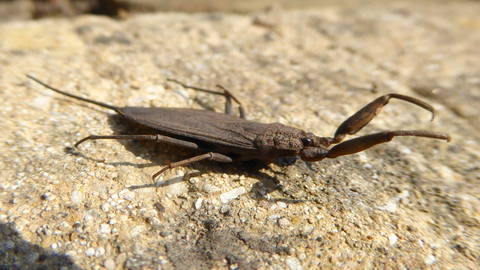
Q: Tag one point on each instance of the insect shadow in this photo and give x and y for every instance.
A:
(267, 184)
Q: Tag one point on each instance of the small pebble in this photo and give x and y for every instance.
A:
(232, 194)
(64, 226)
(392, 239)
(225, 209)
(390, 206)
(77, 196)
(178, 188)
(9, 244)
(103, 196)
(99, 252)
(281, 205)
(90, 252)
(430, 259)
(121, 258)
(284, 223)
(198, 203)
(126, 195)
(165, 233)
(31, 258)
(91, 214)
(47, 241)
(208, 188)
(159, 207)
(294, 263)
(105, 228)
(105, 207)
(109, 264)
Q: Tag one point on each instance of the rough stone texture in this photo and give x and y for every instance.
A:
(412, 203)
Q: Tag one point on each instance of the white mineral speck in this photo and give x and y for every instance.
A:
(71, 253)
(390, 206)
(105, 228)
(90, 252)
(126, 195)
(392, 239)
(232, 194)
(105, 207)
(294, 263)
(405, 150)
(64, 226)
(284, 223)
(129, 196)
(99, 252)
(155, 90)
(77, 196)
(281, 205)
(430, 259)
(368, 166)
(198, 203)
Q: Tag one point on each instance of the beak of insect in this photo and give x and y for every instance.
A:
(312, 154)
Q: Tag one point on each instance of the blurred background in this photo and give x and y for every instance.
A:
(32, 9)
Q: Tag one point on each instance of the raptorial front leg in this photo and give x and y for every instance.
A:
(210, 156)
(155, 138)
(364, 142)
(226, 93)
(361, 118)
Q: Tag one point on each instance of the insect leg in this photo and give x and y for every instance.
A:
(361, 118)
(226, 93)
(228, 103)
(210, 156)
(156, 138)
(364, 142)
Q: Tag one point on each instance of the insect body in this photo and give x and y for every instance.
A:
(225, 138)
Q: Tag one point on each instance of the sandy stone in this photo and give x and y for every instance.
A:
(109, 264)
(411, 203)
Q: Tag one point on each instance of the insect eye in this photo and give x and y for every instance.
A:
(307, 141)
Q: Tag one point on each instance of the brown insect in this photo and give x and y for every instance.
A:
(225, 138)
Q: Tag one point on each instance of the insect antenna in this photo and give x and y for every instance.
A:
(111, 107)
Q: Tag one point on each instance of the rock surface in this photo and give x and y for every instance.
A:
(412, 203)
